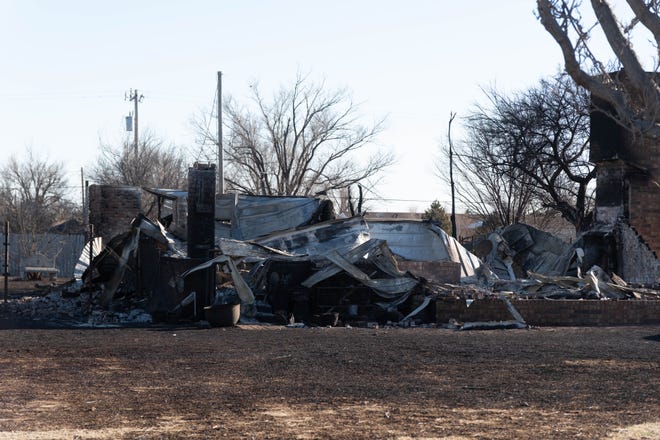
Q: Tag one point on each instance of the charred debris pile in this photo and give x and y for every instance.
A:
(321, 271)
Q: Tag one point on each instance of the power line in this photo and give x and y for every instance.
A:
(86, 95)
(32, 98)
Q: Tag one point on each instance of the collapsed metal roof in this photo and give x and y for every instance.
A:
(171, 194)
(409, 239)
(256, 216)
(423, 241)
(320, 238)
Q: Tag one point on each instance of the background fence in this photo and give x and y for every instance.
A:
(61, 250)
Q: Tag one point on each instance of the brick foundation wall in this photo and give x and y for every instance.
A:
(111, 209)
(552, 313)
(436, 271)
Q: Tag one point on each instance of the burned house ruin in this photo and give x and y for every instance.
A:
(625, 237)
(289, 258)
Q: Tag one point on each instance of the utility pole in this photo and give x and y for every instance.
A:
(452, 115)
(6, 265)
(86, 209)
(133, 96)
(82, 187)
(221, 170)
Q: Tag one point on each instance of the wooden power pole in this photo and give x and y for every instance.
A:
(221, 170)
(6, 262)
(452, 115)
(133, 96)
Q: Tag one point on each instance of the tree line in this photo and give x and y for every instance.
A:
(521, 153)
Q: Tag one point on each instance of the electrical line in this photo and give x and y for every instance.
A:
(58, 95)
(47, 96)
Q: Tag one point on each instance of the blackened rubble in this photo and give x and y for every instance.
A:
(334, 273)
(331, 272)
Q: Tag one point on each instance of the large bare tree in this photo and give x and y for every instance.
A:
(482, 185)
(632, 94)
(529, 150)
(306, 139)
(32, 193)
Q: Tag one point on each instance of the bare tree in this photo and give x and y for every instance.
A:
(527, 151)
(484, 185)
(156, 164)
(632, 95)
(301, 142)
(32, 193)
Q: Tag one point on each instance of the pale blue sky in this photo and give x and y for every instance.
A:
(66, 65)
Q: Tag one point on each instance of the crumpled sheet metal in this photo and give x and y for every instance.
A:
(128, 247)
(532, 250)
(175, 247)
(250, 250)
(340, 235)
(122, 247)
(140, 225)
(423, 241)
(96, 247)
(596, 280)
(388, 288)
(412, 240)
(373, 251)
(352, 256)
(241, 286)
(257, 216)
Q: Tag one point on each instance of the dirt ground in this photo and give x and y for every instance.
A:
(17, 287)
(257, 382)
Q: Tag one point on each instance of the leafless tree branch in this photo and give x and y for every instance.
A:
(32, 194)
(633, 93)
(306, 139)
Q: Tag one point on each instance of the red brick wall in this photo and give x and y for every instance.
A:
(644, 194)
(552, 313)
(645, 211)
